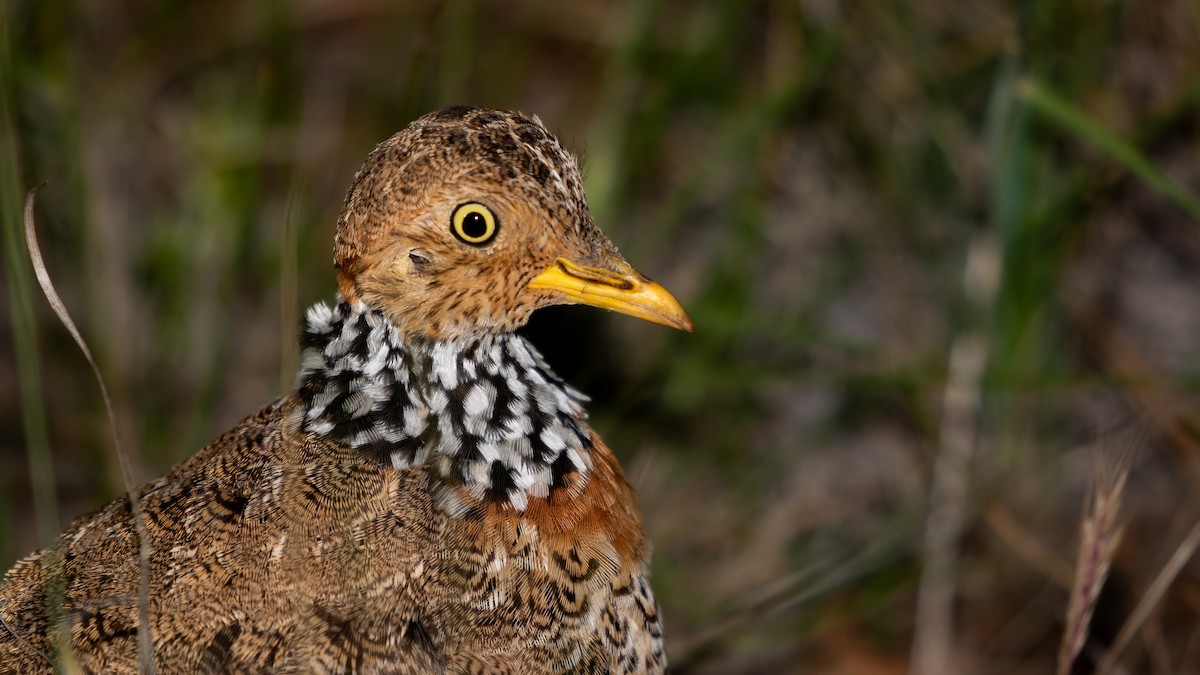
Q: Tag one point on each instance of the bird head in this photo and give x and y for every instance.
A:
(470, 219)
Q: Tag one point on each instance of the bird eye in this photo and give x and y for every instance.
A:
(474, 223)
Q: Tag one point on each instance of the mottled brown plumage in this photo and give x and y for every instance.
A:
(428, 498)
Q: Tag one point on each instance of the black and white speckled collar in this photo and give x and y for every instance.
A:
(486, 414)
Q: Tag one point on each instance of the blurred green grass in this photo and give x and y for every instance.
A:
(806, 176)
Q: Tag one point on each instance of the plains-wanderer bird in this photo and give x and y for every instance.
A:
(428, 497)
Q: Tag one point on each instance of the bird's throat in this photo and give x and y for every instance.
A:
(486, 417)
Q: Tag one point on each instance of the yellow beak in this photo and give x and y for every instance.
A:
(622, 289)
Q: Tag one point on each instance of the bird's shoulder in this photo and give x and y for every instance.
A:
(265, 540)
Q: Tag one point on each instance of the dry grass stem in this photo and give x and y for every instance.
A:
(145, 645)
(1028, 546)
(934, 627)
(1150, 599)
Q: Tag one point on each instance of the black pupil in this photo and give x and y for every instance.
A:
(474, 225)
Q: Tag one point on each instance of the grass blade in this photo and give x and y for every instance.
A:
(145, 645)
(24, 335)
(1056, 109)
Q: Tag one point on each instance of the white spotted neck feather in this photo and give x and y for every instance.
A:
(484, 414)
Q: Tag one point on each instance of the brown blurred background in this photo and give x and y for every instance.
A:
(943, 258)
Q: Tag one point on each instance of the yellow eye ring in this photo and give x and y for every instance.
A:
(474, 223)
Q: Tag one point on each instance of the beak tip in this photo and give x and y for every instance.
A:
(666, 311)
(673, 317)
